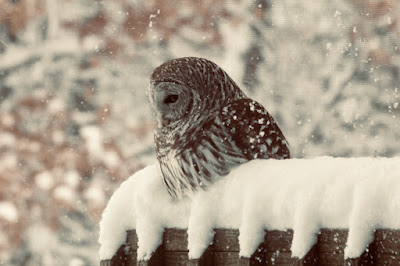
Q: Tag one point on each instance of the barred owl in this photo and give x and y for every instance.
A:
(206, 125)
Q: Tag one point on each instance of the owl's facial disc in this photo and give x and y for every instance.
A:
(171, 101)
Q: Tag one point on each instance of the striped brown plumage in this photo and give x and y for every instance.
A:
(206, 125)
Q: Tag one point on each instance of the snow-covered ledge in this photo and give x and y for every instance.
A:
(358, 194)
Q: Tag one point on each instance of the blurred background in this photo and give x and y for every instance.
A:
(75, 120)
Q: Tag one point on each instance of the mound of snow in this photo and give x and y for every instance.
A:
(359, 194)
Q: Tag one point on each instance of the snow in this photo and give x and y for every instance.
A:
(358, 194)
(111, 159)
(8, 161)
(76, 262)
(8, 211)
(41, 244)
(7, 139)
(72, 178)
(94, 139)
(16, 56)
(65, 193)
(95, 195)
(44, 180)
(350, 110)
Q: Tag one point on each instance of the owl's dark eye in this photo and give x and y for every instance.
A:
(171, 98)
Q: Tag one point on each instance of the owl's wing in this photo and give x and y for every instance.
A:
(254, 131)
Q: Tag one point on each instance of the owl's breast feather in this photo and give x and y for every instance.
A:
(200, 162)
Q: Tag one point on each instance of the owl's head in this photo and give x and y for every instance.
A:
(183, 86)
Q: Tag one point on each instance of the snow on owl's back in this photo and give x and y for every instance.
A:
(206, 125)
